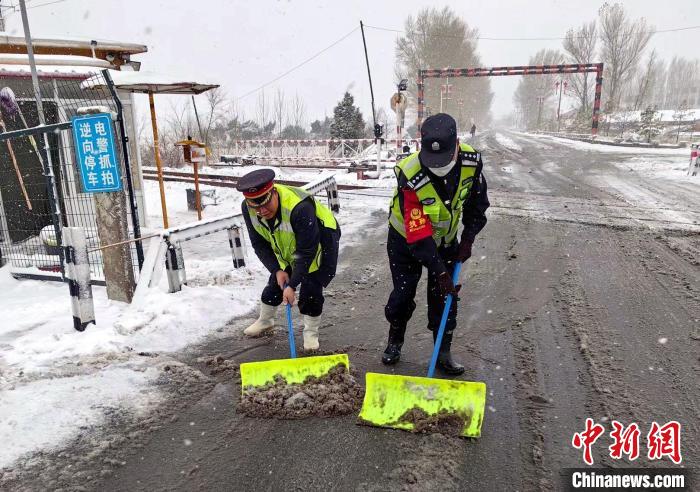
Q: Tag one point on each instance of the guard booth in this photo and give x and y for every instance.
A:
(194, 153)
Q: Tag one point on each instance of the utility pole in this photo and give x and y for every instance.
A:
(377, 128)
(561, 85)
(2, 19)
(540, 101)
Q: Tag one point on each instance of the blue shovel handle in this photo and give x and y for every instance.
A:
(290, 331)
(443, 321)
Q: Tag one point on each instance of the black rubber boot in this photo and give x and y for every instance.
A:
(392, 354)
(445, 362)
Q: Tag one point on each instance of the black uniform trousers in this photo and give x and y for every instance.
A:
(406, 272)
(310, 298)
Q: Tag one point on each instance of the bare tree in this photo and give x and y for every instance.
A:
(178, 125)
(623, 42)
(279, 110)
(262, 111)
(298, 112)
(644, 83)
(216, 101)
(682, 82)
(234, 117)
(439, 38)
(534, 95)
(580, 45)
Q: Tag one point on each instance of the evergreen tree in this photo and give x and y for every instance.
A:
(651, 123)
(321, 129)
(347, 120)
(293, 132)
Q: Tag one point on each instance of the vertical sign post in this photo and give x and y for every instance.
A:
(100, 172)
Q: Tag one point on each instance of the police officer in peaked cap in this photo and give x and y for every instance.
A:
(296, 237)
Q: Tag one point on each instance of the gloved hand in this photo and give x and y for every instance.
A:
(465, 250)
(445, 285)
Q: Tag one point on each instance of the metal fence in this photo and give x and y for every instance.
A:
(333, 152)
(29, 223)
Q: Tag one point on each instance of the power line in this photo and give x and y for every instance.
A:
(14, 7)
(297, 66)
(44, 4)
(484, 38)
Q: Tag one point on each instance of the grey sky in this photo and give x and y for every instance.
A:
(243, 44)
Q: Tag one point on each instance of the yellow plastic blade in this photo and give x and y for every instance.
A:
(292, 370)
(389, 397)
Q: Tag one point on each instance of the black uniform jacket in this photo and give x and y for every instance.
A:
(309, 233)
(473, 212)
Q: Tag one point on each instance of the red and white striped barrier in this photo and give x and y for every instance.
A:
(296, 158)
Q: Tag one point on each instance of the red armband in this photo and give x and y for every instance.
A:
(417, 224)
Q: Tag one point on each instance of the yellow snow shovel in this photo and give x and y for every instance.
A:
(409, 402)
(294, 370)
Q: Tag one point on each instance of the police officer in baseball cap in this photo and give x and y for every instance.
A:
(439, 189)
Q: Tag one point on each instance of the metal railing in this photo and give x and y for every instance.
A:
(290, 152)
(165, 250)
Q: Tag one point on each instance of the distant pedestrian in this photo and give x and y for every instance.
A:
(473, 130)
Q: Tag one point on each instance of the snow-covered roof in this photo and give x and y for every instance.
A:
(47, 71)
(145, 82)
(51, 66)
(7, 40)
(55, 60)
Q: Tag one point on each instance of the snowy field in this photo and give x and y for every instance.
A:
(612, 149)
(55, 382)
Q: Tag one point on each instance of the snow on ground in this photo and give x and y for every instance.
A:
(55, 381)
(46, 412)
(612, 149)
(507, 142)
(664, 167)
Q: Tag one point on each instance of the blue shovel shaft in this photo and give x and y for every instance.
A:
(443, 322)
(290, 331)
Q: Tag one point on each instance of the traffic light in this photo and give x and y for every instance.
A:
(378, 130)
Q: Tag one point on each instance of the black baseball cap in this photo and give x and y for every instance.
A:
(438, 140)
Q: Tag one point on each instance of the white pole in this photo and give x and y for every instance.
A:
(77, 269)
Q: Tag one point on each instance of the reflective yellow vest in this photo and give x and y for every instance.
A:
(444, 218)
(282, 238)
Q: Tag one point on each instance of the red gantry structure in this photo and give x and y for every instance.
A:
(521, 70)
